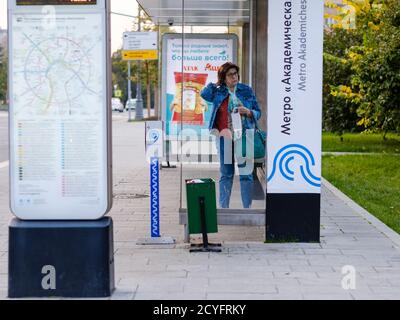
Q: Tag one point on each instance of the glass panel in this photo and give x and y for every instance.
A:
(206, 49)
(208, 41)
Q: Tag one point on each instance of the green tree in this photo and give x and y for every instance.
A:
(120, 74)
(3, 79)
(339, 113)
(376, 67)
(369, 67)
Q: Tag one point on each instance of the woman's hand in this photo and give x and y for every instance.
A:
(245, 112)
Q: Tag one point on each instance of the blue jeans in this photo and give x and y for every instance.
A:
(227, 172)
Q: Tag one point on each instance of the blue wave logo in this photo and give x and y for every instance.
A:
(154, 136)
(286, 155)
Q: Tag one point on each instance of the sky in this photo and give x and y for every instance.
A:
(119, 24)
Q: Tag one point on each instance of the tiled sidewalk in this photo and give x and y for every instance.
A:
(247, 268)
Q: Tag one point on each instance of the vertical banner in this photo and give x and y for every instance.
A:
(155, 197)
(154, 151)
(295, 48)
(203, 54)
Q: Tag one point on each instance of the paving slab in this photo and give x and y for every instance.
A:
(247, 268)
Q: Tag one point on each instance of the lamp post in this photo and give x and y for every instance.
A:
(139, 99)
(128, 104)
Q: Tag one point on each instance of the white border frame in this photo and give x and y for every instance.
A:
(103, 7)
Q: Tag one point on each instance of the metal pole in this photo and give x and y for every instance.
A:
(251, 43)
(128, 104)
(159, 96)
(183, 88)
(139, 99)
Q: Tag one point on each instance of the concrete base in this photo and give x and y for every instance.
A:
(61, 259)
(293, 217)
(155, 241)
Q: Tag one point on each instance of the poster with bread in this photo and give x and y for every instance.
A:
(187, 68)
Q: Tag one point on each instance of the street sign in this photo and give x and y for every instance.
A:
(60, 90)
(140, 55)
(140, 41)
(140, 46)
(118, 93)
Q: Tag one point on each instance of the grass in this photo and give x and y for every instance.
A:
(354, 142)
(373, 181)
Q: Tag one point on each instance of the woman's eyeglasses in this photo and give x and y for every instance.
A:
(232, 74)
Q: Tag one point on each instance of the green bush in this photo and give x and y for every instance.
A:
(339, 114)
(376, 73)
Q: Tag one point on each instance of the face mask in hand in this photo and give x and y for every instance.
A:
(236, 124)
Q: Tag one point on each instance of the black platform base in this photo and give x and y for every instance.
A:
(72, 259)
(201, 247)
(293, 217)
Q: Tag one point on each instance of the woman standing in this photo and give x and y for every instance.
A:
(229, 96)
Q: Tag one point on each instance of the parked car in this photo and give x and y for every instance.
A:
(117, 105)
(131, 104)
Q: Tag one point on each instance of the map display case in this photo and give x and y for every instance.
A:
(60, 147)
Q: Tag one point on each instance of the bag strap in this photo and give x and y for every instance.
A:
(256, 123)
(258, 128)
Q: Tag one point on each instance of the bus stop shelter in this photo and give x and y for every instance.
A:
(280, 57)
(238, 21)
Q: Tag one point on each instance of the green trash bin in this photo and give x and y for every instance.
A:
(200, 195)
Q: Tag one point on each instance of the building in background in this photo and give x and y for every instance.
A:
(331, 11)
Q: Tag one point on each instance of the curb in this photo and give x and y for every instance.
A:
(383, 228)
(327, 153)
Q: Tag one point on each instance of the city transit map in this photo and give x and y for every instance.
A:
(57, 65)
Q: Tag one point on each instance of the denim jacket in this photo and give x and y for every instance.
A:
(217, 95)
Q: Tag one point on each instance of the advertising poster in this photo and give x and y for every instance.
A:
(202, 57)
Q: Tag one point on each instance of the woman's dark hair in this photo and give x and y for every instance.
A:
(223, 70)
